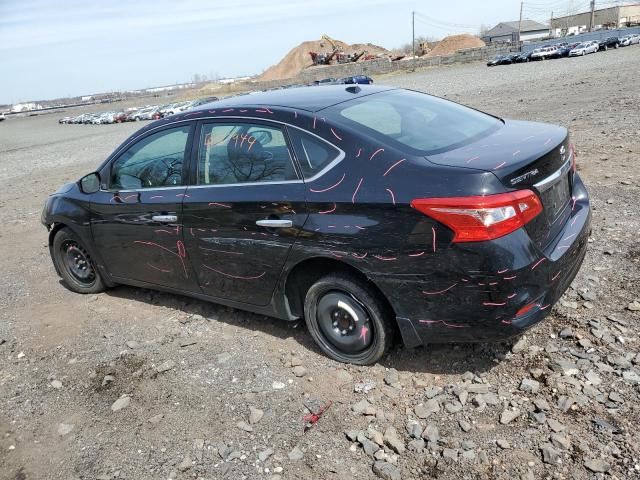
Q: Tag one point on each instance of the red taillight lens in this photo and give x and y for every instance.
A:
(474, 219)
(574, 157)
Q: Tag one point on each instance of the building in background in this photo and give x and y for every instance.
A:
(508, 32)
(603, 18)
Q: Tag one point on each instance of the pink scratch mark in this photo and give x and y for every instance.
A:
(500, 272)
(181, 252)
(158, 268)
(185, 195)
(227, 110)
(515, 153)
(556, 275)
(545, 307)
(335, 134)
(263, 110)
(363, 333)
(472, 159)
(494, 304)
(574, 221)
(538, 263)
(237, 277)
(243, 110)
(359, 257)
(161, 230)
(295, 114)
(329, 211)
(547, 142)
(393, 166)
(220, 251)
(512, 295)
(440, 292)
(416, 254)
(491, 284)
(570, 236)
(375, 153)
(123, 199)
(563, 247)
(314, 123)
(355, 192)
(528, 138)
(509, 278)
(433, 238)
(573, 203)
(448, 325)
(500, 166)
(393, 197)
(384, 259)
(359, 227)
(156, 196)
(329, 188)
(359, 152)
(464, 280)
(211, 111)
(338, 254)
(211, 204)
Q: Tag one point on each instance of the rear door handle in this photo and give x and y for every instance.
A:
(273, 223)
(165, 218)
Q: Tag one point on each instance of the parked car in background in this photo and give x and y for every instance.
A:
(566, 49)
(628, 40)
(144, 113)
(325, 81)
(498, 60)
(609, 42)
(201, 101)
(473, 244)
(584, 48)
(357, 79)
(65, 120)
(2, 117)
(545, 53)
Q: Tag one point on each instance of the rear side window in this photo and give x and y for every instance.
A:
(232, 153)
(421, 122)
(312, 153)
(155, 161)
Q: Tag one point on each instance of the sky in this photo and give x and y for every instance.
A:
(57, 48)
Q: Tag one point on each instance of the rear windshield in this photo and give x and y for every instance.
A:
(425, 124)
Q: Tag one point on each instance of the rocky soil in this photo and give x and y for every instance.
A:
(134, 384)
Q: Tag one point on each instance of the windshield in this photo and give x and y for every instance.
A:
(425, 124)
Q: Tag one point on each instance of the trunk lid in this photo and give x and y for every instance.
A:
(525, 155)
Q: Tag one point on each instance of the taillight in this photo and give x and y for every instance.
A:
(474, 219)
(574, 157)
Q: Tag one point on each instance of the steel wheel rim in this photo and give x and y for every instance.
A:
(78, 263)
(344, 323)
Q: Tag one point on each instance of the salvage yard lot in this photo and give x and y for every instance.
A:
(204, 391)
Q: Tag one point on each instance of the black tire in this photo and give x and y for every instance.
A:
(328, 310)
(74, 264)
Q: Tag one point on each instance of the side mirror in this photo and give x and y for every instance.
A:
(90, 183)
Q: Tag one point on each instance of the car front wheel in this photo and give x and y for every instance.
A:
(348, 320)
(74, 263)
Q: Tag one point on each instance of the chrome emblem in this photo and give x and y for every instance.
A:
(524, 176)
(562, 152)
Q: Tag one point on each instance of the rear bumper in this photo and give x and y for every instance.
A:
(478, 288)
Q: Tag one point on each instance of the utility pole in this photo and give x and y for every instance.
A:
(413, 37)
(591, 18)
(520, 23)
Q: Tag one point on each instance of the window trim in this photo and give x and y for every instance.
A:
(105, 185)
(341, 155)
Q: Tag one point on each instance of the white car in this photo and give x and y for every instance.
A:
(1, 116)
(544, 53)
(584, 48)
(629, 40)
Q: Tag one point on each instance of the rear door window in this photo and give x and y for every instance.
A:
(231, 153)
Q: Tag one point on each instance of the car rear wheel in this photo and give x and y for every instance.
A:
(74, 263)
(348, 320)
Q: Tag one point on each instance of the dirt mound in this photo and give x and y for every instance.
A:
(452, 44)
(298, 58)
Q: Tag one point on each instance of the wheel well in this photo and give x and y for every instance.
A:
(307, 272)
(55, 228)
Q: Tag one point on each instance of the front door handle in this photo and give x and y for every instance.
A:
(274, 223)
(165, 218)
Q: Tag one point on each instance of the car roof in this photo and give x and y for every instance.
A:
(311, 99)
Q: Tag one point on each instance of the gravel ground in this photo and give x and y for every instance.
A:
(134, 384)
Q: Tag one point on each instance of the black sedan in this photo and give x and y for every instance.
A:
(609, 42)
(366, 210)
